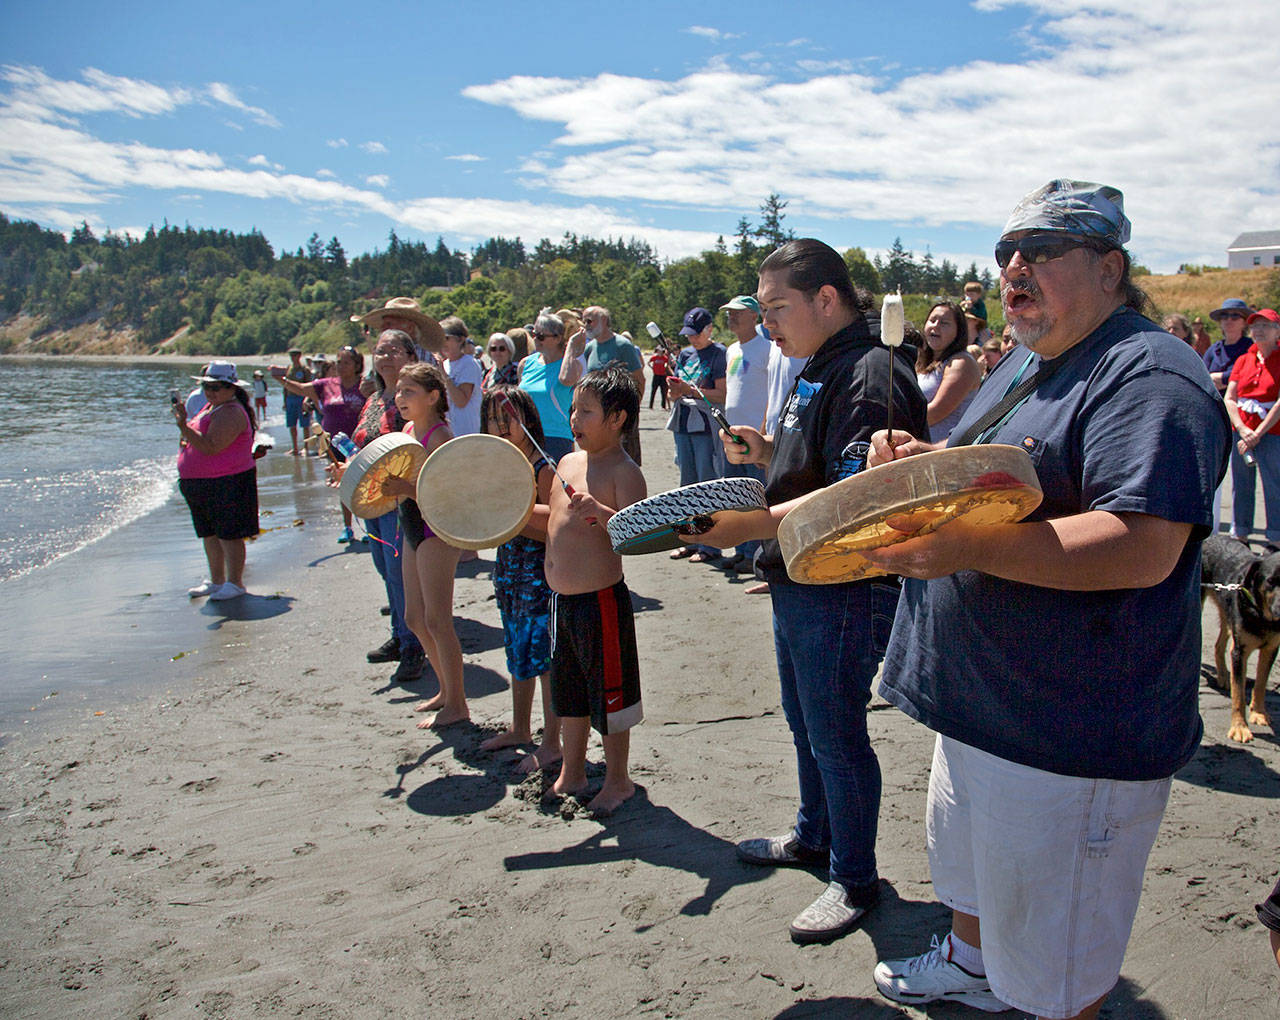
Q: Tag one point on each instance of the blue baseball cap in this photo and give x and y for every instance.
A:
(695, 321)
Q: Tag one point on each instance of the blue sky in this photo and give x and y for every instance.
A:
(922, 119)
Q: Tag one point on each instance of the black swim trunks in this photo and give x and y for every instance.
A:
(595, 670)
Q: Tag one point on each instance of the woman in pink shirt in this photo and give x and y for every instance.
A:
(217, 477)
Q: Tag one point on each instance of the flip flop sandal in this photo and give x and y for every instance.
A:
(684, 552)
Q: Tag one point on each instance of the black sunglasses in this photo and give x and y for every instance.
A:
(1038, 249)
(1230, 315)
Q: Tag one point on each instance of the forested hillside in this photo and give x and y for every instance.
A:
(213, 291)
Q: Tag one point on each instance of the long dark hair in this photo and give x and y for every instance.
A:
(242, 395)
(429, 377)
(524, 405)
(809, 266)
(925, 356)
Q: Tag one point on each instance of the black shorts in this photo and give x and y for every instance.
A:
(595, 670)
(225, 507)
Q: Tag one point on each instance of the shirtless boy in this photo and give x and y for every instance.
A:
(595, 673)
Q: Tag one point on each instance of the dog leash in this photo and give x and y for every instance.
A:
(1245, 594)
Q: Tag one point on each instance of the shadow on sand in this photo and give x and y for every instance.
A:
(246, 607)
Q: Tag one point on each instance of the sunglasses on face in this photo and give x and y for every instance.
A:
(1038, 249)
(215, 386)
(1230, 315)
(495, 350)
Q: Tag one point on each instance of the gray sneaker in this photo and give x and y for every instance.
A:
(933, 977)
(828, 917)
(781, 852)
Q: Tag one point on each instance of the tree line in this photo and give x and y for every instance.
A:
(236, 296)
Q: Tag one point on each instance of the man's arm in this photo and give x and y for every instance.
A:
(571, 369)
(1092, 551)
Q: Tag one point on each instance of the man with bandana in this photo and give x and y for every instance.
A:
(1059, 732)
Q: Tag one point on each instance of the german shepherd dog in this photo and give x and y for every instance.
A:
(1245, 588)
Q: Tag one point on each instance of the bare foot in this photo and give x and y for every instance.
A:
(760, 588)
(445, 717)
(1257, 718)
(430, 705)
(559, 790)
(542, 758)
(508, 739)
(610, 798)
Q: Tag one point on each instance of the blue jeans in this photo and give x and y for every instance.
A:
(388, 564)
(696, 455)
(829, 640)
(748, 548)
(1244, 483)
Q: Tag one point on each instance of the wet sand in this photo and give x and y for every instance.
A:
(257, 829)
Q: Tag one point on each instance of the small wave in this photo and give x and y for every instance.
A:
(61, 514)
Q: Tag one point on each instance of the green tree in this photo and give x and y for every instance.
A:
(862, 272)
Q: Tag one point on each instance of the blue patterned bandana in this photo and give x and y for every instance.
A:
(1073, 207)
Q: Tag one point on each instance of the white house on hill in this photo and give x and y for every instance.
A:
(1254, 248)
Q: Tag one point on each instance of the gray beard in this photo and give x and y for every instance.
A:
(1027, 336)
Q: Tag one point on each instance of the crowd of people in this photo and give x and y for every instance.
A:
(1057, 734)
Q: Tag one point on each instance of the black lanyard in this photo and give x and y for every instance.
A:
(982, 430)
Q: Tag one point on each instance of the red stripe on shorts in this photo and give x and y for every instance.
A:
(612, 650)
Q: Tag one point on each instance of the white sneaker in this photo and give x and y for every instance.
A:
(226, 591)
(933, 977)
(203, 588)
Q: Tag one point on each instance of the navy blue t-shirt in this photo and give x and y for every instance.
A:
(1101, 684)
(1220, 357)
(702, 368)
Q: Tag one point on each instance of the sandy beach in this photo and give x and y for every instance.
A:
(257, 829)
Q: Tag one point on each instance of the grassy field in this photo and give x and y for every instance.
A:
(1199, 295)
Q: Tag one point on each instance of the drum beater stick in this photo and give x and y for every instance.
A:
(510, 408)
(892, 331)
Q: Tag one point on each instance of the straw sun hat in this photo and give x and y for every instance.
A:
(430, 335)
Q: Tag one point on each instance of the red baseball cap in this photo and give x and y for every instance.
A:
(1270, 314)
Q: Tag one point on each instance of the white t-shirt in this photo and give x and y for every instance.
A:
(747, 381)
(782, 374)
(465, 421)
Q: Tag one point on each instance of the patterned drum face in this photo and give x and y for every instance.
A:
(823, 536)
(476, 491)
(393, 454)
(651, 525)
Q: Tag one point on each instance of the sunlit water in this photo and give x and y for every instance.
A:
(85, 449)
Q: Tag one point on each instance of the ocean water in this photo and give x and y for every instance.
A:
(87, 448)
(97, 549)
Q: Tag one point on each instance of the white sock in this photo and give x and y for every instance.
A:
(964, 955)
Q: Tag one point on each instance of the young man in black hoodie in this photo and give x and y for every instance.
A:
(829, 639)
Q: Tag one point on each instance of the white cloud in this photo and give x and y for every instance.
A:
(374, 148)
(58, 173)
(377, 180)
(225, 94)
(823, 66)
(467, 157)
(714, 34)
(261, 160)
(1122, 94)
(336, 143)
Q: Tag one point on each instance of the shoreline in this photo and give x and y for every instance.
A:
(264, 831)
